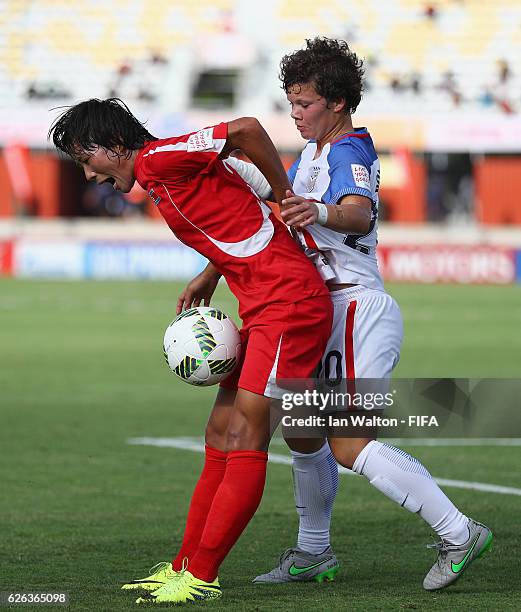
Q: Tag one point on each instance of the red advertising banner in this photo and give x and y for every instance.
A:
(6, 258)
(477, 264)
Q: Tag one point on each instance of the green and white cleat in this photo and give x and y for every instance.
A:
(297, 565)
(159, 575)
(454, 560)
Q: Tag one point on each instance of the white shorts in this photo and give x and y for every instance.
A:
(366, 336)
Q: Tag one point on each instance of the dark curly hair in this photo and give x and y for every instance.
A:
(105, 123)
(335, 71)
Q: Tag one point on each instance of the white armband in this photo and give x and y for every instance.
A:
(251, 175)
(322, 213)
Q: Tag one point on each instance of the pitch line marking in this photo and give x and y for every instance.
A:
(197, 445)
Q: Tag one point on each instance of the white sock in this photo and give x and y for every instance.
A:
(405, 480)
(315, 481)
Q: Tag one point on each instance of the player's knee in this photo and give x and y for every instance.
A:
(345, 458)
(216, 430)
(305, 445)
(245, 438)
(235, 440)
(215, 436)
(346, 450)
(217, 426)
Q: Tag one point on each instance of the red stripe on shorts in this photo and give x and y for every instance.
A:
(350, 353)
(310, 242)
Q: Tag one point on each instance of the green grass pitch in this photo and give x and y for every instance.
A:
(82, 511)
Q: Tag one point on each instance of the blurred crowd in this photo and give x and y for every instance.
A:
(465, 83)
(498, 93)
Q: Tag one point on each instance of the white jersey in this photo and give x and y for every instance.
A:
(367, 326)
(348, 165)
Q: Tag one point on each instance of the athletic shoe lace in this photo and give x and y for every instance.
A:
(174, 584)
(158, 567)
(287, 553)
(443, 548)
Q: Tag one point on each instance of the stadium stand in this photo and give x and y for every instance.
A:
(446, 53)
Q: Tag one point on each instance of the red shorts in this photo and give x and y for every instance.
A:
(283, 341)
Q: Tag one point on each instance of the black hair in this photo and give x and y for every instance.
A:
(105, 123)
(335, 71)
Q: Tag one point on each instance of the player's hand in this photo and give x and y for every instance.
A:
(200, 288)
(298, 212)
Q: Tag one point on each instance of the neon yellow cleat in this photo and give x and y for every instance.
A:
(184, 588)
(159, 575)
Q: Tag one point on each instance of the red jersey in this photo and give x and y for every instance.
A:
(210, 208)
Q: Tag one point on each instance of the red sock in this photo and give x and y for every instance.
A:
(233, 507)
(202, 497)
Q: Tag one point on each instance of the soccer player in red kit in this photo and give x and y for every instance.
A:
(283, 302)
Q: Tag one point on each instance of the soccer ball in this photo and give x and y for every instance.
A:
(202, 346)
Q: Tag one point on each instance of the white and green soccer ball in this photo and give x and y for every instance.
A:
(202, 346)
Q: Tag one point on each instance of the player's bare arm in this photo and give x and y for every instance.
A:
(248, 135)
(351, 215)
(199, 289)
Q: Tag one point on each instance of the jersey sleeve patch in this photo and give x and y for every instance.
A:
(361, 176)
(201, 141)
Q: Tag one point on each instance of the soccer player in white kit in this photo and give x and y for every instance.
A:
(336, 178)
